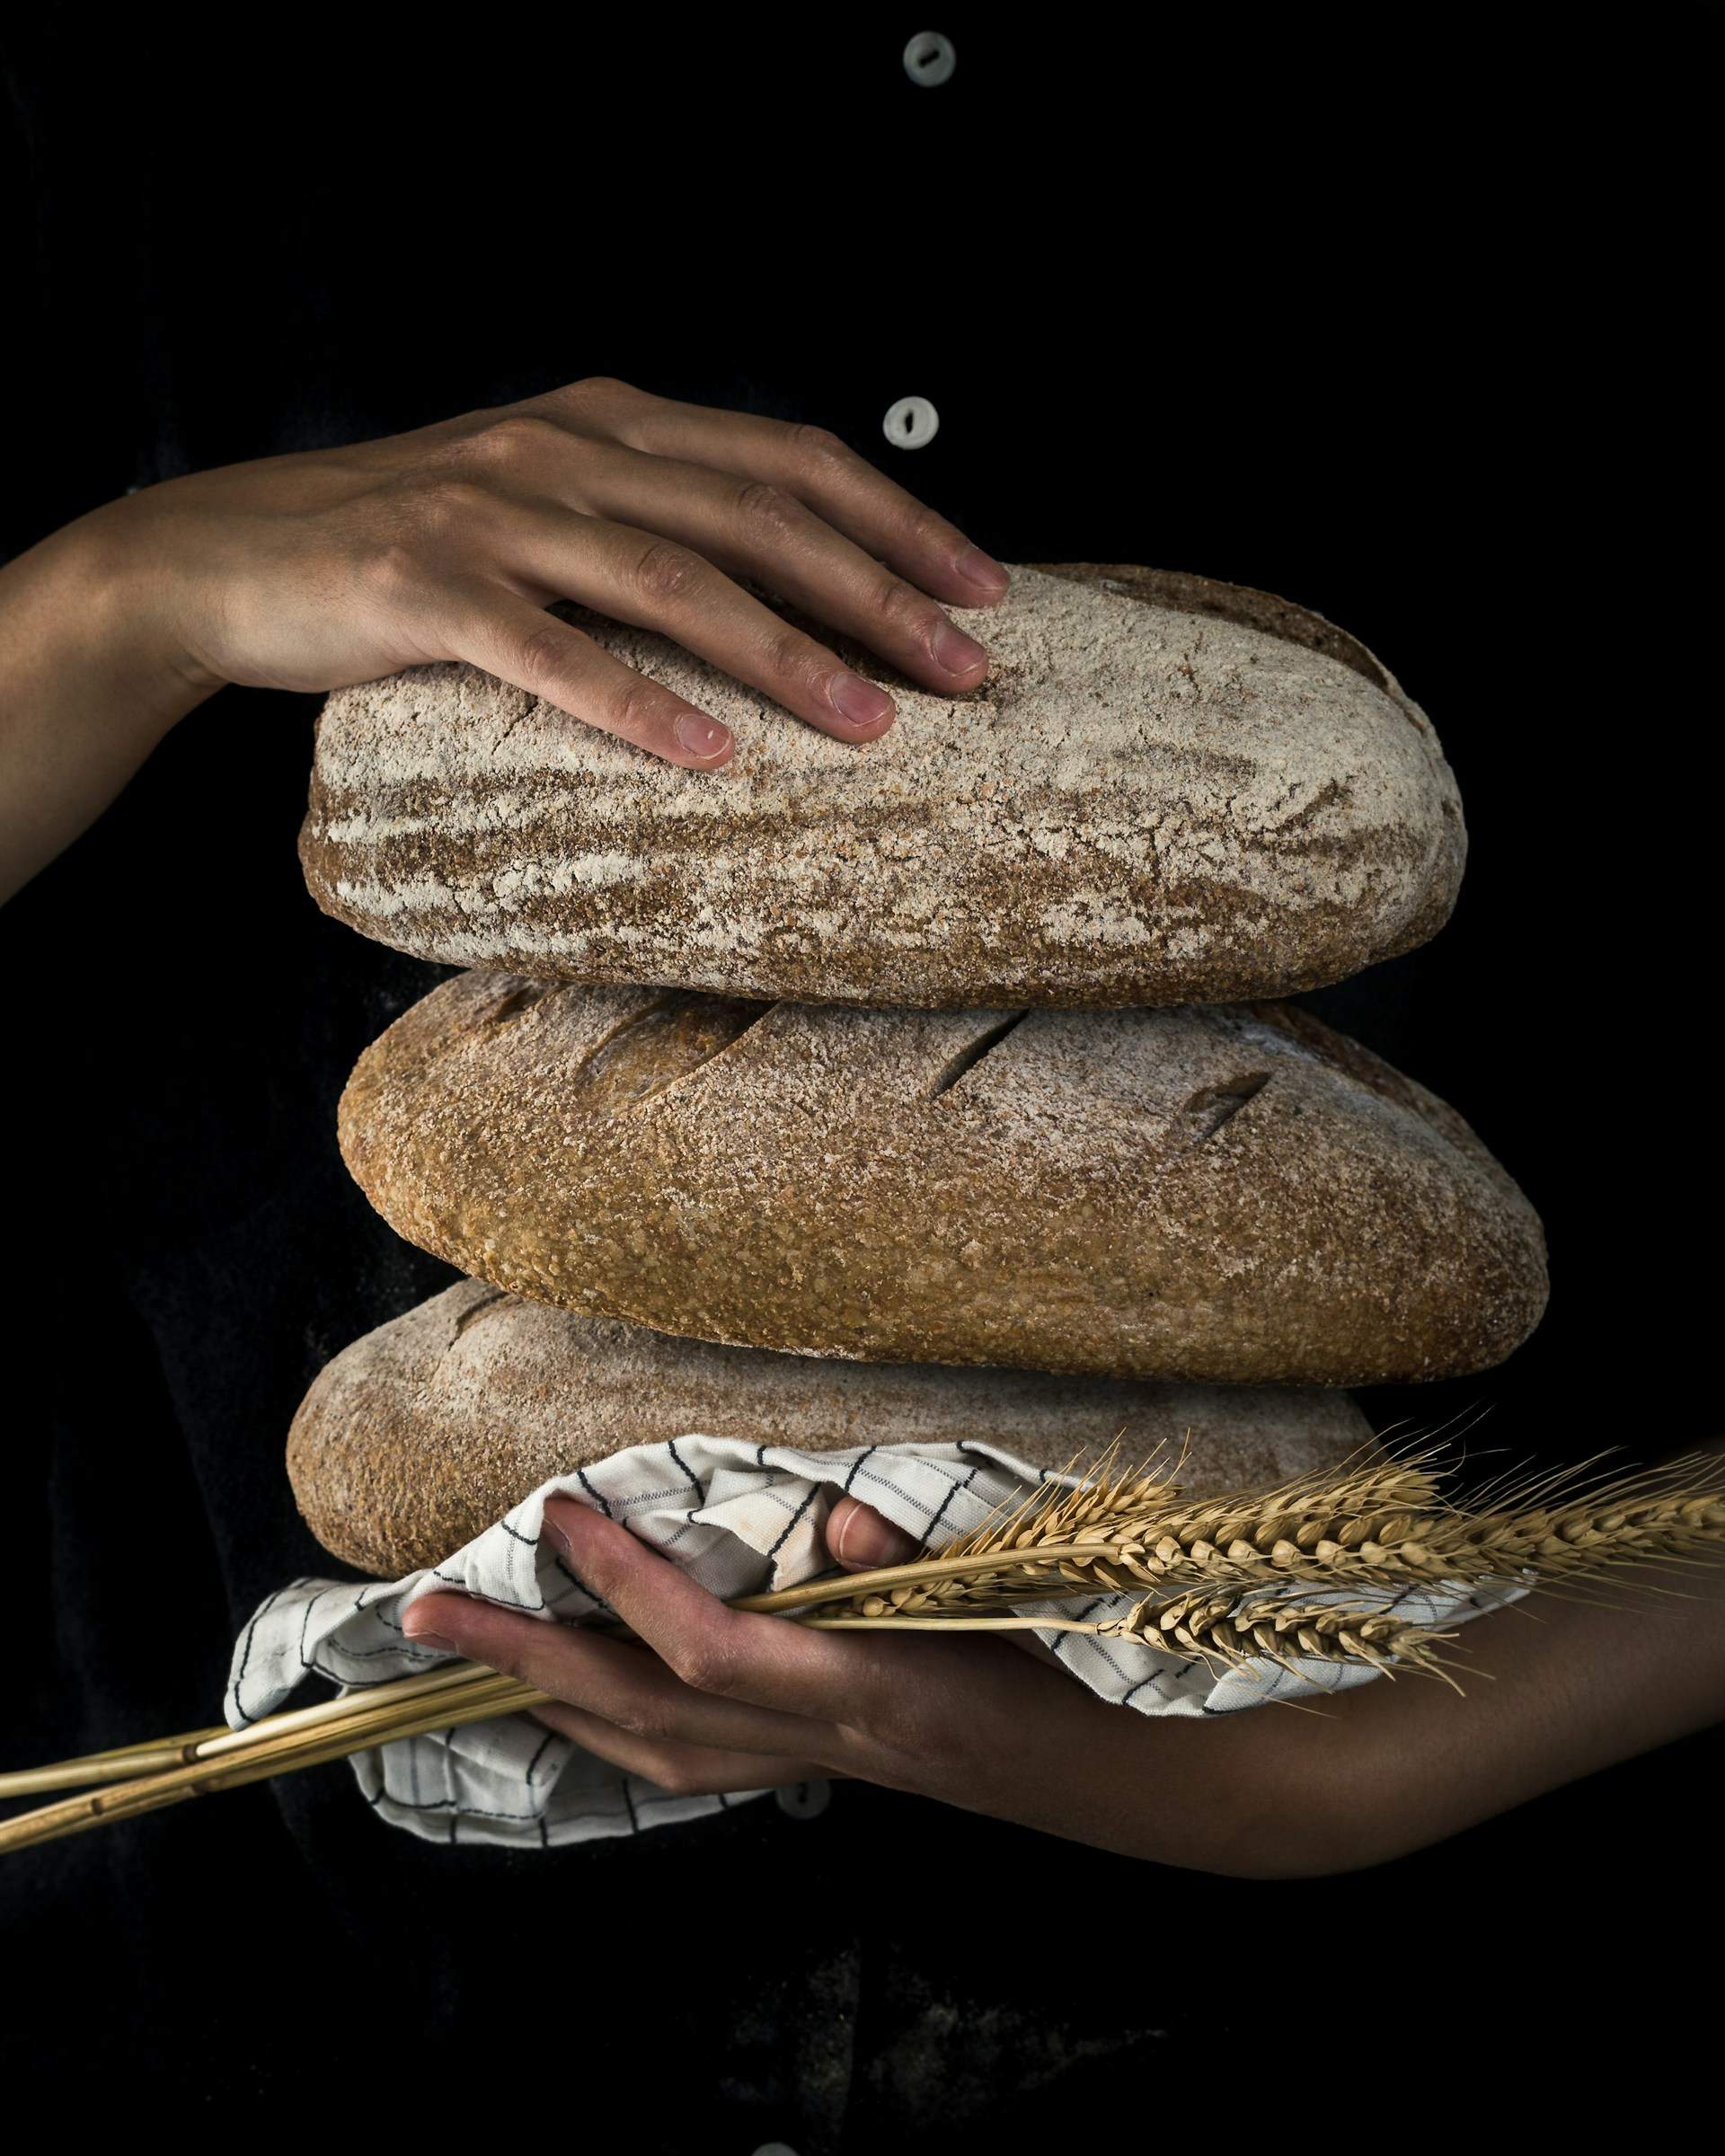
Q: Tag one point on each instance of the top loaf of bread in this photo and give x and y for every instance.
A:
(1168, 791)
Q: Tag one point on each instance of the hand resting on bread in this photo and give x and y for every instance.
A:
(337, 566)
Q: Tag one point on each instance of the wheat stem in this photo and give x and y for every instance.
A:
(128, 1761)
(1217, 1578)
(116, 1765)
(896, 1623)
(269, 1750)
(1387, 1529)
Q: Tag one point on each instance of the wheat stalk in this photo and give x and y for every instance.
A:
(1217, 1577)
(1225, 1631)
(143, 1778)
(279, 1744)
(1125, 1532)
(1379, 1526)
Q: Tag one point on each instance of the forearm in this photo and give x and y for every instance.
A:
(310, 572)
(89, 685)
(1551, 1691)
(726, 1700)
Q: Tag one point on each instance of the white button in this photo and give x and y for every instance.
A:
(911, 422)
(930, 59)
(805, 1799)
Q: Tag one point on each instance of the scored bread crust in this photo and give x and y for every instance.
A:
(1169, 790)
(1222, 1194)
(419, 1436)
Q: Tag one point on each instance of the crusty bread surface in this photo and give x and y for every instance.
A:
(420, 1436)
(1215, 1193)
(1169, 791)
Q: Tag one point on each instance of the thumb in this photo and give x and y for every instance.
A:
(861, 1539)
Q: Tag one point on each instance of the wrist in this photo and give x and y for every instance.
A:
(116, 580)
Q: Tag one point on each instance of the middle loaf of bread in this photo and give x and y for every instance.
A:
(1232, 1194)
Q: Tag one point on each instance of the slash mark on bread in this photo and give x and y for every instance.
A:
(1214, 1106)
(475, 1311)
(655, 1048)
(967, 1058)
(517, 1001)
(660, 999)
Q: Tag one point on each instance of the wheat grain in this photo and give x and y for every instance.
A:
(1217, 1577)
(1382, 1527)
(1232, 1631)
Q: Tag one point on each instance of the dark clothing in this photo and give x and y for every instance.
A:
(1303, 303)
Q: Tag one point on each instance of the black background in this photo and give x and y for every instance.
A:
(1397, 315)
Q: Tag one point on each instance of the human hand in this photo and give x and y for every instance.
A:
(708, 1699)
(316, 571)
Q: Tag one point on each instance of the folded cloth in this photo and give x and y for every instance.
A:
(741, 1519)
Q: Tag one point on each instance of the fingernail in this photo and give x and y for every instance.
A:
(857, 701)
(956, 652)
(982, 569)
(420, 1636)
(557, 1534)
(867, 1540)
(700, 736)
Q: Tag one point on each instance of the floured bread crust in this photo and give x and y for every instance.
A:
(1169, 791)
(421, 1434)
(1232, 1194)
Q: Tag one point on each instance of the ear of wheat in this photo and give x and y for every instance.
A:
(1232, 1580)
(1382, 1525)
(1227, 1632)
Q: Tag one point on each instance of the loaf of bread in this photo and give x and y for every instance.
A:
(422, 1434)
(1232, 1194)
(1169, 791)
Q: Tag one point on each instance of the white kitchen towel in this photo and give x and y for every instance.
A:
(740, 1519)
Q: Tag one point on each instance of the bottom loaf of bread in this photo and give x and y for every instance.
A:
(421, 1434)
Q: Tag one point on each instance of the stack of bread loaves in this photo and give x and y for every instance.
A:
(905, 1094)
